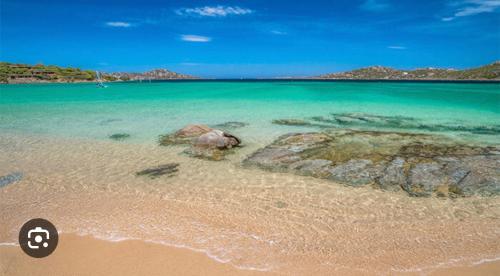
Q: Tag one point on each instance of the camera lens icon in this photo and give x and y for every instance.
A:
(38, 238)
(37, 233)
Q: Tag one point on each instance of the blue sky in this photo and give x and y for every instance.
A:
(250, 38)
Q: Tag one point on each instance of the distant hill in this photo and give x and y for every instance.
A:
(23, 73)
(487, 72)
(157, 74)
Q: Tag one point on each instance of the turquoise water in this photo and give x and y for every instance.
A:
(146, 110)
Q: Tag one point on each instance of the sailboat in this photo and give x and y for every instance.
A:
(99, 83)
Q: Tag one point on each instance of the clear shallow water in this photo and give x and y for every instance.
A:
(146, 110)
(251, 218)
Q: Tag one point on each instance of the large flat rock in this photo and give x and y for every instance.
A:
(419, 164)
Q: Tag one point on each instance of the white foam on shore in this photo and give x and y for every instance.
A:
(456, 262)
(113, 237)
(487, 260)
(8, 244)
(449, 264)
(118, 238)
(210, 255)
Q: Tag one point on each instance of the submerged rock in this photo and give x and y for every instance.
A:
(372, 121)
(421, 165)
(204, 142)
(119, 136)
(291, 122)
(393, 175)
(401, 122)
(231, 125)
(10, 178)
(356, 172)
(425, 178)
(166, 169)
(477, 174)
(109, 121)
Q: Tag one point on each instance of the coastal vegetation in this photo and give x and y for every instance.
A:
(18, 73)
(24, 73)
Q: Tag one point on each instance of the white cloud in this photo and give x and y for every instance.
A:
(119, 24)
(375, 5)
(397, 47)
(196, 38)
(214, 11)
(473, 7)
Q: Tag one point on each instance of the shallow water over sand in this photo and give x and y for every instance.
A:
(85, 183)
(251, 218)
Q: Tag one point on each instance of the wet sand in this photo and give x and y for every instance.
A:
(246, 218)
(484, 269)
(84, 255)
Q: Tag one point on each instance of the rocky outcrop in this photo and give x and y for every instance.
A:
(216, 139)
(421, 165)
(184, 135)
(204, 142)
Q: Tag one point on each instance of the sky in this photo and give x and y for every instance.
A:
(250, 38)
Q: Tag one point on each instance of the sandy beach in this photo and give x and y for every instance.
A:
(245, 219)
(288, 138)
(84, 255)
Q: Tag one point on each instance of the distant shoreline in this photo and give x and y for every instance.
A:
(22, 73)
(471, 81)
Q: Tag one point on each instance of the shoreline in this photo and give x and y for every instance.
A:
(464, 81)
(88, 255)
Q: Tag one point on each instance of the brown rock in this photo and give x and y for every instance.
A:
(184, 135)
(205, 142)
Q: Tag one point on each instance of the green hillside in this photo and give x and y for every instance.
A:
(22, 73)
